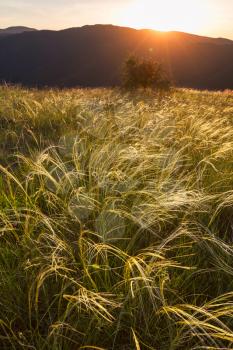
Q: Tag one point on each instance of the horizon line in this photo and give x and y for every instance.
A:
(120, 26)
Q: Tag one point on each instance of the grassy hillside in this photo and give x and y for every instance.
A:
(116, 220)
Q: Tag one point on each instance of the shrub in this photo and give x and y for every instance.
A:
(144, 73)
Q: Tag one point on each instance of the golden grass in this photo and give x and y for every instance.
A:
(116, 221)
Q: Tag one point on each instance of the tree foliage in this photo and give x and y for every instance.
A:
(144, 73)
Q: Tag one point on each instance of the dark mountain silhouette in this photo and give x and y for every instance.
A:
(93, 56)
(15, 30)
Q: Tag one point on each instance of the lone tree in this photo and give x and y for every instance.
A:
(144, 73)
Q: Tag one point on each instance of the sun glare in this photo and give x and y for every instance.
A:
(166, 15)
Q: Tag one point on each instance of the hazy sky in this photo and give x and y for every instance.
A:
(207, 17)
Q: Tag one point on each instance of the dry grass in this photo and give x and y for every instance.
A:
(116, 220)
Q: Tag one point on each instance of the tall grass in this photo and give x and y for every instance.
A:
(116, 220)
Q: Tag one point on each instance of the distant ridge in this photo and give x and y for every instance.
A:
(92, 56)
(15, 30)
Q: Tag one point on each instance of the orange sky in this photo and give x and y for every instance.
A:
(205, 17)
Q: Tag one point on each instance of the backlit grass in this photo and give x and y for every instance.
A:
(116, 220)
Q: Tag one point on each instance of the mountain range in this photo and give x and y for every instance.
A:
(92, 56)
(15, 30)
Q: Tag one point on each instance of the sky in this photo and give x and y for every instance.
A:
(205, 17)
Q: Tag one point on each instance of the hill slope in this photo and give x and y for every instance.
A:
(15, 30)
(93, 55)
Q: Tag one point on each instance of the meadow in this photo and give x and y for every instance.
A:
(116, 219)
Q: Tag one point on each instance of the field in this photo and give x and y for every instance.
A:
(116, 220)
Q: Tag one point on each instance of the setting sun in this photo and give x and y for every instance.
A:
(166, 15)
